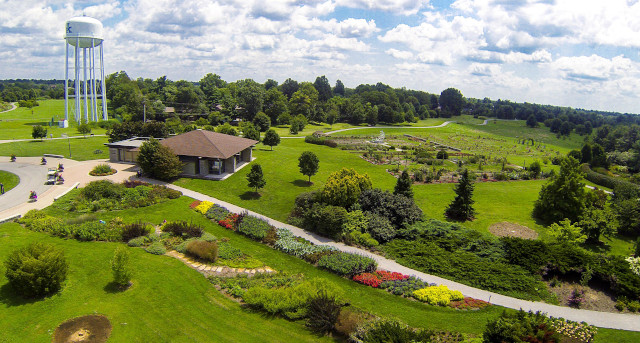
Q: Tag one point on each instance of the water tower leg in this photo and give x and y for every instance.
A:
(103, 90)
(84, 68)
(76, 86)
(93, 82)
(66, 81)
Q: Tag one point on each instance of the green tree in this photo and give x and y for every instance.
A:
(563, 196)
(339, 88)
(324, 89)
(84, 129)
(262, 122)
(120, 267)
(596, 222)
(343, 187)
(275, 104)
(451, 101)
(256, 178)
(565, 232)
(38, 131)
(250, 132)
(535, 169)
(271, 138)
(209, 85)
(461, 208)
(403, 185)
(532, 122)
(250, 95)
(158, 161)
(308, 163)
(303, 102)
(227, 129)
(288, 87)
(586, 153)
(36, 270)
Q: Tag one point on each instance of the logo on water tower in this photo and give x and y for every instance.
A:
(68, 28)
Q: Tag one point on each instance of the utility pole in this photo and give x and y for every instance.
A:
(144, 112)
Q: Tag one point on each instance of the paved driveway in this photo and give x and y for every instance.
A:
(32, 178)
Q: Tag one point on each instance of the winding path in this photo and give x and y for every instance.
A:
(13, 107)
(32, 178)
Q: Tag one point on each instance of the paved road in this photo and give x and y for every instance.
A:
(621, 321)
(2, 141)
(32, 178)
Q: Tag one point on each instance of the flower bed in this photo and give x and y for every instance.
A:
(378, 277)
(194, 204)
(437, 295)
(468, 304)
(102, 170)
(203, 207)
(254, 227)
(230, 222)
(582, 332)
(404, 287)
(217, 213)
(347, 264)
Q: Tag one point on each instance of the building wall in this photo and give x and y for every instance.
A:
(230, 165)
(246, 155)
(113, 155)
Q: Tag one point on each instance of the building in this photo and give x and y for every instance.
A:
(204, 153)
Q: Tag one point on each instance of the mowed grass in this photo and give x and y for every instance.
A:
(366, 298)
(18, 124)
(283, 130)
(168, 301)
(9, 180)
(82, 149)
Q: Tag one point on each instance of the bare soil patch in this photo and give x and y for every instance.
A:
(594, 300)
(506, 229)
(86, 329)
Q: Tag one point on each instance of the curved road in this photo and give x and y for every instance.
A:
(13, 107)
(32, 178)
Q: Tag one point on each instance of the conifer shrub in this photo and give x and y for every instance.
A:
(36, 270)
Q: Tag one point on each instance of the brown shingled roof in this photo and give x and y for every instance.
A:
(203, 143)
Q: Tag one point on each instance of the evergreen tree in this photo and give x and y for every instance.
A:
(158, 161)
(120, 267)
(403, 185)
(271, 138)
(256, 178)
(461, 208)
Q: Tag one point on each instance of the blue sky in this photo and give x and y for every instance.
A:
(580, 53)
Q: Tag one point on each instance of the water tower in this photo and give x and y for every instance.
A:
(83, 35)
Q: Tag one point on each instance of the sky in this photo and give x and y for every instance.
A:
(578, 53)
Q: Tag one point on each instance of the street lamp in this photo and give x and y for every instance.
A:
(68, 141)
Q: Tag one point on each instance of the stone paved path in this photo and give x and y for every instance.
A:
(208, 269)
(621, 321)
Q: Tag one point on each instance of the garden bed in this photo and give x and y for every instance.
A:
(506, 229)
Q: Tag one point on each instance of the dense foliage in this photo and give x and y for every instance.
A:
(158, 161)
(36, 270)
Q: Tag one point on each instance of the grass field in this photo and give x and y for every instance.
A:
(82, 149)
(179, 291)
(9, 180)
(17, 124)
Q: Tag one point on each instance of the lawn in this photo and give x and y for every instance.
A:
(168, 301)
(81, 149)
(17, 124)
(9, 180)
(283, 130)
(373, 300)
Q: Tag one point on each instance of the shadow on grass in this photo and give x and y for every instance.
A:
(250, 196)
(10, 298)
(597, 247)
(265, 149)
(113, 288)
(301, 183)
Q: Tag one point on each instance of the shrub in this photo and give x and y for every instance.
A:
(133, 230)
(397, 208)
(120, 267)
(207, 251)
(36, 270)
(203, 207)
(90, 231)
(347, 264)
(101, 189)
(295, 246)
(228, 252)
(389, 330)
(347, 322)
(102, 170)
(323, 311)
(437, 295)
(217, 213)
(89, 217)
(380, 228)
(254, 227)
(183, 229)
(138, 241)
(518, 327)
(320, 141)
(208, 237)
(325, 220)
(404, 287)
(156, 248)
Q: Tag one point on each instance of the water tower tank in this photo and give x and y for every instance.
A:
(82, 30)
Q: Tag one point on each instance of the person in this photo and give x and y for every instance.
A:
(44, 160)
(1, 188)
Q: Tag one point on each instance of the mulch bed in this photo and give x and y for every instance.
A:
(506, 229)
(86, 329)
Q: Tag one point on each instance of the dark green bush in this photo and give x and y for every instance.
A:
(207, 251)
(156, 248)
(390, 330)
(320, 141)
(36, 270)
(325, 220)
(217, 213)
(605, 180)
(96, 190)
(380, 228)
(520, 327)
(133, 230)
(347, 264)
(399, 209)
(183, 229)
(323, 311)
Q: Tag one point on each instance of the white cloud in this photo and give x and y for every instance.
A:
(403, 55)
(594, 67)
(404, 7)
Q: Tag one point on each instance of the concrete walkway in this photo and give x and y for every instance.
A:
(620, 321)
(13, 107)
(3, 141)
(32, 178)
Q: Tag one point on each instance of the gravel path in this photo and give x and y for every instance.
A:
(621, 321)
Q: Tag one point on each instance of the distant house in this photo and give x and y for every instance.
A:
(204, 153)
